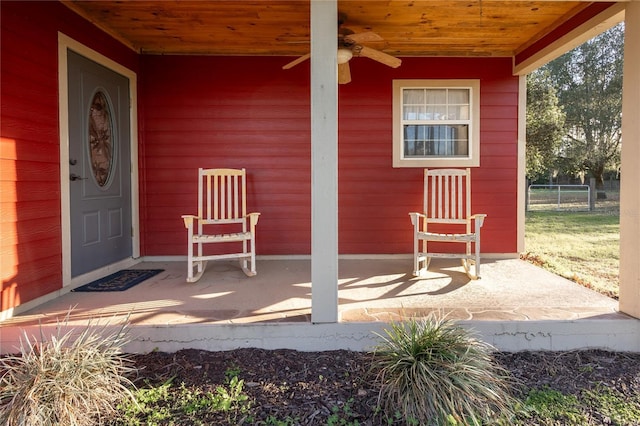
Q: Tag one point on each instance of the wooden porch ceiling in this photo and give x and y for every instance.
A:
(281, 27)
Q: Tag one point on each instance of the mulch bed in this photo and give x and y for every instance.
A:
(316, 388)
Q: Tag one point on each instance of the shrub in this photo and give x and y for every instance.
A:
(65, 381)
(432, 372)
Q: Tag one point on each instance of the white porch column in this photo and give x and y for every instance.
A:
(630, 181)
(522, 161)
(324, 162)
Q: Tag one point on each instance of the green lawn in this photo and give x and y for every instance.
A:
(581, 246)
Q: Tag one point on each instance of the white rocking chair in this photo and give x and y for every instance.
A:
(447, 208)
(222, 207)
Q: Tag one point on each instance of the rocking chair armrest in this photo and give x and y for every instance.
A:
(479, 218)
(253, 218)
(415, 216)
(188, 219)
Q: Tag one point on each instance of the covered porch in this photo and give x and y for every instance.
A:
(515, 306)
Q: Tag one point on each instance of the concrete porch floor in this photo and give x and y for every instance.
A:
(370, 291)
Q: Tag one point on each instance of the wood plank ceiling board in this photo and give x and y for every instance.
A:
(281, 27)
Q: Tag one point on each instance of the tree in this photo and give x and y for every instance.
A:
(545, 125)
(589, 84)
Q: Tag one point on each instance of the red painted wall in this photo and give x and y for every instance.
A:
(248, 112)
(30, 241)
(226, 112)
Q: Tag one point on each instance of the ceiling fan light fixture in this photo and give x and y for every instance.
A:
(344, 55)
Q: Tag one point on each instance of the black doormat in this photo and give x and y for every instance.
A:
(120, 281)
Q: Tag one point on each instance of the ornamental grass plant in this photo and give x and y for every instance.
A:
(431, 371)
(66, 379)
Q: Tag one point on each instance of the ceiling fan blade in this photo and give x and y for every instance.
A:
(379, 56)
(297, 61)
(344, 73)
(366, 37)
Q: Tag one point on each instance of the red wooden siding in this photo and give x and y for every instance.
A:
(30, 239)
(248, 112)
(226, 112)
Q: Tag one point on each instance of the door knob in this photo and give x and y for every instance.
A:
(74, 176)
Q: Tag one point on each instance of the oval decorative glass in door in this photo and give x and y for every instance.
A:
(101, 144)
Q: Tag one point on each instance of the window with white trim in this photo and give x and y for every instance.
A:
(436, 123)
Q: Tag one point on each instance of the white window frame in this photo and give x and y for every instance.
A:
(470, 160)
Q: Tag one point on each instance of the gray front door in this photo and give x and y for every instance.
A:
(99, 165)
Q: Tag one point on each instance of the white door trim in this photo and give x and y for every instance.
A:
(65, 43)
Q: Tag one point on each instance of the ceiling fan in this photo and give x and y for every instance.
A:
(352, 44)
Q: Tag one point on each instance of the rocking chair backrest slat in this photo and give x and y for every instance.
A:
(216, 199)
(222, 195)
(449, 201)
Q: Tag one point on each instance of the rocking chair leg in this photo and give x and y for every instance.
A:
(472, 264)
(416, 266)
(253, 260)
(416, 262)
(194, 264)
(248, 263)
(202, 265)
(250, 272)
(470, 268)
(190, 261)
(420, 261)
(478, 255)
(189, 270)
